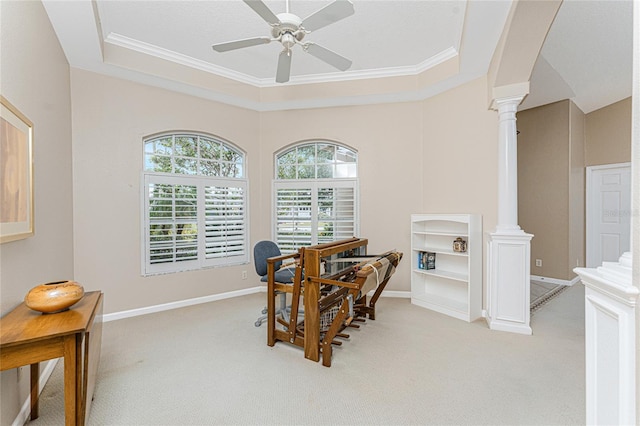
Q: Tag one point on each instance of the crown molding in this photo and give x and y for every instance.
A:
(178, 58)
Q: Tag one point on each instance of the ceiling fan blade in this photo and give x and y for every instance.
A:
(239, 44)
(261, 9)
(328, 56)
(284, 66)
(329, 14)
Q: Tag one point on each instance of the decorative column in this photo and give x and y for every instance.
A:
(610, 327)
(509, 246)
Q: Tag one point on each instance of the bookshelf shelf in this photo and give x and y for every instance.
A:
(454, 286)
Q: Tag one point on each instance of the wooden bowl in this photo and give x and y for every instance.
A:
(54, 297)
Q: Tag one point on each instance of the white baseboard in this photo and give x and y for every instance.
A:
(555, 280)
(180, 304)
(23, 416)
(212, 298)
(395, 293)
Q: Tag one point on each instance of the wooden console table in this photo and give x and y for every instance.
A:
(29, 337)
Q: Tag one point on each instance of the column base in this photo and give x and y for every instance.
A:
(509, 278)
(610, 304)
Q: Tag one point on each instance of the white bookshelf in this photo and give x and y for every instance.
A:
(454, 287)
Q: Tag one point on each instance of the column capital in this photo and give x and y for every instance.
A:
(507, 104)
(508, 93)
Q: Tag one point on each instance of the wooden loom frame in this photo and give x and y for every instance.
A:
(307, 334)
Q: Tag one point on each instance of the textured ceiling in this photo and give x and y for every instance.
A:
(380, 35)
(586, 56)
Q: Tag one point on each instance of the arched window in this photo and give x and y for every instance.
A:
(315, 197)
(195, 201)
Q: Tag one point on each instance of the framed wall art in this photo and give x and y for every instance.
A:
(16, 174)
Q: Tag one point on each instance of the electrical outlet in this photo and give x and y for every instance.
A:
(244, 275)
(539, 262)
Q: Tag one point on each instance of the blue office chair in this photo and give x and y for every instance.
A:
(262, 251)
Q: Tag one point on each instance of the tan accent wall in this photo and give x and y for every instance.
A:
(544, 158)
(608, 134)
(35, 79)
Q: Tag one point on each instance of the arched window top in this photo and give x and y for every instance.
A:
(316, 160)
(193, 154)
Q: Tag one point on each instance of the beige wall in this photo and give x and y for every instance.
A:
(35, 79)
(543, 185)
(388, 139)
(608, 134)
(403, 149)
(460, 156)
(110, 119)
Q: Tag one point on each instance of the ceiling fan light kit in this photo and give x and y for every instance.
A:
(289, 30)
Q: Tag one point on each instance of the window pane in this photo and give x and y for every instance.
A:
(209, 149)
(345, 155)
(288, 157)
(157, 163)
(345, 171)
(159, 146)
(322, 154)
(185, 166)
(186, 146)
(325, 153)
(306, 172)
(286, 172)
(307, 154)
(325, 171)
(209, 168)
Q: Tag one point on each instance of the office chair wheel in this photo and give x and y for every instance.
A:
(258, 323)
(264, 311)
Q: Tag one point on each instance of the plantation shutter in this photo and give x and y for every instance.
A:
(172, 227)
(293, 221)
(313, 212)
(193, 223)
(336, 213)
(225, 222)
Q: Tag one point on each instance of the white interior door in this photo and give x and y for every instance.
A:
(608, 213)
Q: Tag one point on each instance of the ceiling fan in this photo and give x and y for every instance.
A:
(289, 30)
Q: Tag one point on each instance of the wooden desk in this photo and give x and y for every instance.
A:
(29, 337)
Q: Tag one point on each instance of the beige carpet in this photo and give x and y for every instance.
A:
(208, 365)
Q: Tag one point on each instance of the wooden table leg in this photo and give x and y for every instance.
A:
(70, 380)
(35, 385)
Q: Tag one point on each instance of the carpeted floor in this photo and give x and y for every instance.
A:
(208, 365)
